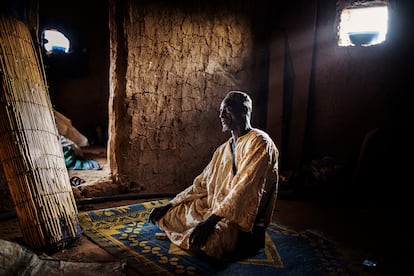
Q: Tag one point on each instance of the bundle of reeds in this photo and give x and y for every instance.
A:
(30, 149)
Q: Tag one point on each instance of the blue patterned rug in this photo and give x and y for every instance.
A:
(124, 232)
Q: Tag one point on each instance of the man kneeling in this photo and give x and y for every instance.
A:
(229, 205)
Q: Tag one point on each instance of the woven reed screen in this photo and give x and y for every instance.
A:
(30, 149)
(6, 202)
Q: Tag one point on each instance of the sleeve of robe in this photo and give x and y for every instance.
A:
(256, 162)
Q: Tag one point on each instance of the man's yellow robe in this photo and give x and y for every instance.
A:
(236, 197)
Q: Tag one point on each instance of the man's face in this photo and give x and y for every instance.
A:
(230, 119)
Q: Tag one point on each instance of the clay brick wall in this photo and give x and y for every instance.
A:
(170, 68)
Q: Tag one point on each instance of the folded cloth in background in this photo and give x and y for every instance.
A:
(73, 162)
(72, 143)
(67, 142)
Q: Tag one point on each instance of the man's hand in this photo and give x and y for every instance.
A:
(202, 231)
(158, 212)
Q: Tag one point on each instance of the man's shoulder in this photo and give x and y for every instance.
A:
(261, 133)
(262, 137)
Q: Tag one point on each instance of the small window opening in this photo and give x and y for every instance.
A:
(363, 25)
(55, 42)
(64, 52)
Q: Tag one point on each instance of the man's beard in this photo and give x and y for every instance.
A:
(224, 126)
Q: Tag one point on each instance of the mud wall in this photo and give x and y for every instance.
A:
(171, 65)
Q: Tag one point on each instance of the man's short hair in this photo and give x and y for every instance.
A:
(239, 99)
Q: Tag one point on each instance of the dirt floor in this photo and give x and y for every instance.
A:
(356, 230)
(360, 231)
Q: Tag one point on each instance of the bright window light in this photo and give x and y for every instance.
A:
(55, 41)
(363, 26)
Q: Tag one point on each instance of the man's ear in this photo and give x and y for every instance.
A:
(245, 109)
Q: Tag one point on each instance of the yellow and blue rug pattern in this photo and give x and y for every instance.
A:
(124, 232)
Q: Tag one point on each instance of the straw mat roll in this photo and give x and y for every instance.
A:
(30, 149)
